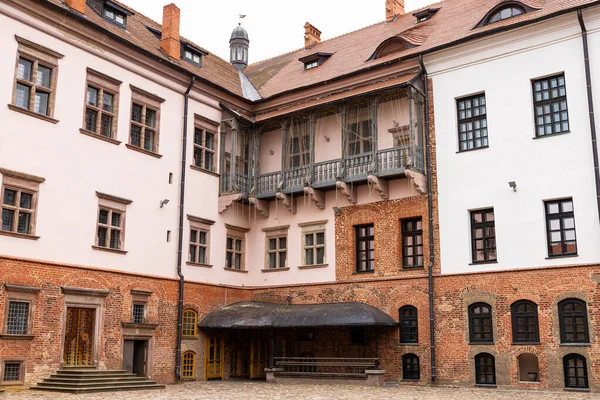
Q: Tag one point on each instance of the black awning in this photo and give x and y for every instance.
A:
(251, 314)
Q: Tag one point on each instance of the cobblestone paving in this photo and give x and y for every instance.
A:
(264, 391)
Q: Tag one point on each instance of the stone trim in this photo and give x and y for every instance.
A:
(103, 84)
(200, 220)
(25, 289)
(27, 43)
(143, 151)
(112, 198)
(97, 136)
(206, 123)
(21, 183)
(312, 223)
(21, 176)
(24, 294)
(139, 292)
(144, 96)
(22, 371)
(276, 230)
(67, 290)
(237, 228)
(33, 114)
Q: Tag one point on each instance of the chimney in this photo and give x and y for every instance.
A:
(77, 5)
(312, 35)
(170, 31)
(393, 8)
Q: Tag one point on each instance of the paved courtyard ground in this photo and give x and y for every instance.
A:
(264, 391)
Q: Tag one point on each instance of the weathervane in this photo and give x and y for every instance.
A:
(240, 16)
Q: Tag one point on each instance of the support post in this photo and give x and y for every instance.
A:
(374, 113)
(344, 125)
(234, 137)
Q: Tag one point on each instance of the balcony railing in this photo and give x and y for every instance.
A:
(326, 172)
(358, 166)
(241, 183)
(267, 184)
(295, 178)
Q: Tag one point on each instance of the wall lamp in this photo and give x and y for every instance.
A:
(513, 185)
(164, 202)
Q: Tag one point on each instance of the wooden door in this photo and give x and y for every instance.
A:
(79, 337)
(258, 359)
(214, 358)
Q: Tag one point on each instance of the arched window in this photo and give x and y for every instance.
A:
(480, 323)
(188, 367)
(505, 13)
(190, 324)
(485, 369)
(409, 325)
(572, 315)
(575, 368)
(525, 322)
(410, 367)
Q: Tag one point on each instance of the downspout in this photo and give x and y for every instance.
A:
(430, 222)
(590, 97)
(186, 97)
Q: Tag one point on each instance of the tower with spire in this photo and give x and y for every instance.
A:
(238, 47)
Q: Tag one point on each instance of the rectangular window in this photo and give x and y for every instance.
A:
(139, 313)
(412, 243)
(314, 248)
(204, 149)
(18, 317)
(19, 202)
(560, 225)
(483, 236)
(365, 248)
(235, 252)
(472, 122)
(101, 104)
(276, 252)
(35, 78)
(115, 16)
(360, 138)
(12, 372)
(110, 225)
(199, 240)
(144, 121)
(550, 104)
(298, 144)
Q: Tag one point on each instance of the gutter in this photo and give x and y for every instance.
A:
(430, 222)
(186, 97)
(590, 97)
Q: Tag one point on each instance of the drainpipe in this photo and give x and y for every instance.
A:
(430, 222)
(590, 97)
(180, 229)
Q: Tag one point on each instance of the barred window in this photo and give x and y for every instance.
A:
(575, 369)
(480, 323)
(276, 252)
(409, 325)
(483, 236)
(190, 324)
(485, 369)
(188, 368)
(410, 367)
(572, 315)
(550, 103)
(472, 122)
(560, 225)
(412, 243)
(525, 322)
(204, 149)
(139, 313)
(365, 248)
(17, 318)
(12, 372)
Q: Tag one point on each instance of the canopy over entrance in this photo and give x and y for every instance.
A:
(255, 315)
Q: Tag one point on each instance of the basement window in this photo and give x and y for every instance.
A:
(314, 60)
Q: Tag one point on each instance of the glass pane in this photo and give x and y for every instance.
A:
(148, 140)
(116, 219)
(193, 236)
(24, 223)
(567, 206)
(24, 69)
(202, 237)
(230, 243)
(136, 113)
(150, 118)
(238, 245)
(43, 76)
(92, 96)
(282, 243)
(120, 19)
(321, 238)
(102, 237)
(309, 257)
(114, 239)
(106, 123)
(26, 201)
(552, 208)
(210, 138)
(272, 260)
(10, 197)
(202, 255)
(22, 96)
(282, 259)
(8, 217)
(40, 105)
(103, 217)
(192, 253)
(272, 244)
(208, 161)
(107, 102)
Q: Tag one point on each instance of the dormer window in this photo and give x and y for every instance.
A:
(424, 15)
(504, 11)
(111, 12)
(114, 16)
(192, 54)
(314, 60)
(392, 45)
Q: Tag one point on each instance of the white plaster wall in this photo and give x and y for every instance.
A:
(328, 150)
(553, 167)
(270, 141)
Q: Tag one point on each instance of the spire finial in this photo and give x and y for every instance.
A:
(240, 16)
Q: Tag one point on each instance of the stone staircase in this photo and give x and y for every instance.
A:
(92, 380)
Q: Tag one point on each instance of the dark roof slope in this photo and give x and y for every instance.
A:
(455, 21)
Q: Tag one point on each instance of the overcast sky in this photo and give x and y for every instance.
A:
(275, 26)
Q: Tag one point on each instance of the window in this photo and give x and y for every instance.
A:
(235, 243)
(18, 314)
(110, 227)
(480, 323)
(35, 79)
(572, 315)
(412, 243)
(575, 367)
(188, 369)
(204, 149)
(313, 242)
(485, 369)
(115, 16)
(12, 372)
(360, 138)
(192, 57)
(311, 64)
(410, 368)
(409, 331)
(365, 248)
(19, 193)
(560, 225)
(190, 324)
(505, 13)
(276, 252)
(145, 121)
(472, 123)
(359, 335)
(199, 240)
(483, 236)
(525, 322)
(298, 143)
(314, 60)
(101, 105)
(550, 103)
(139, 313)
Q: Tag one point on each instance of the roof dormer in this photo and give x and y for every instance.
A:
(314, 60)
(424, 15)
(192, 54)
(504, 10)
(391, 46)
(111, 12)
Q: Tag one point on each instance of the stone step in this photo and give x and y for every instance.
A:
(72, 389)
(72, 371)
(94, 384)
(75, 379)
(86, 376)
